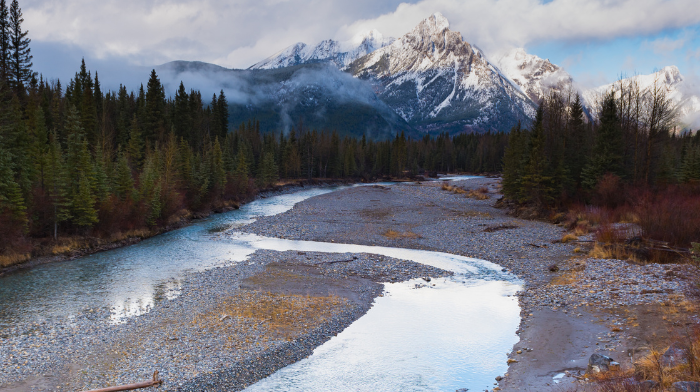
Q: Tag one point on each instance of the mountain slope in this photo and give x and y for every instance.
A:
(670, 79)
(319, 95)
(535, 76)
(330, 51)
(438, 82)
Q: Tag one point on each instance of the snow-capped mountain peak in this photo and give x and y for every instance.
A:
(675, 87)
(341, 54)
(533, 75)
(435, 80)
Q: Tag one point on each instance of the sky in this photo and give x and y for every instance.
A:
(594, 40)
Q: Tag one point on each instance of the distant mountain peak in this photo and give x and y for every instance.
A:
(340, 54)
(535, 76)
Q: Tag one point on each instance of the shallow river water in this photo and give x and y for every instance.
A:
(444, 335)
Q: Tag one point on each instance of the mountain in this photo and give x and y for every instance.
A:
(680, 91)
(535, 76)
(438, 82)
(330, 51)
(318, 95)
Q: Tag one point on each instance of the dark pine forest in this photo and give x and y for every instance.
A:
(80, 166)
(80, 162)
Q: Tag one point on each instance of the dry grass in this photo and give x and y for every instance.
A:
(569, 238)
(614, 251)
(140, 233)
(13, 259)
(478, 194)
(566, 278)
(66, 245)
(285, 316)
(397, 234)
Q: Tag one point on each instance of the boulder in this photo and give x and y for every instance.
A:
(686, 386)
(674, 356)
(648, 385)
(600, 363)
(553, 268)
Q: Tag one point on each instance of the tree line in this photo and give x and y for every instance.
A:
(564, 157)
(77, 160)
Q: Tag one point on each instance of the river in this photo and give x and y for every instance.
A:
(447, 334)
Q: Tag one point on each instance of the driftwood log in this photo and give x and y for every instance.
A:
(130, 387)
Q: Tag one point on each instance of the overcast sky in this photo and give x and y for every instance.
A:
(595, 40)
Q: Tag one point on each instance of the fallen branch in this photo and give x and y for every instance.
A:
(145, 384)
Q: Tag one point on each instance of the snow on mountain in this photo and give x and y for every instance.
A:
(681, 92)
(334, 52)
(533, 75)
(436, 81)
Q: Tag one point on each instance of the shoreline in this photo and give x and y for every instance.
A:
(584, 306)
(184, 222)
(587, 306)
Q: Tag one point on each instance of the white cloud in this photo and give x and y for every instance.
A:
(241, 32)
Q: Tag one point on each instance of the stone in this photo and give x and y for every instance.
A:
(499, 378)
(553, 268)
(686, 386)
(601, 362)
(648, 385)
(674, 356)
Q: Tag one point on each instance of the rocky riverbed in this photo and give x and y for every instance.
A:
(233, 325)
(572, 305)
(229, 327)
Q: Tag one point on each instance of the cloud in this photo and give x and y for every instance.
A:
(496, 25)
(241, 32)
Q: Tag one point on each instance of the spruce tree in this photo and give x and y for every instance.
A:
(222, 110)
(57, 185)
(608, 151)
(83, 204)
(154, 110)
(537, 186)
(513, 161)
(21, 58)
(123, 182)
(4, 42)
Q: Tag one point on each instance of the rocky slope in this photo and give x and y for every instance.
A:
(535, 76)
(438, 82)
(328, 51)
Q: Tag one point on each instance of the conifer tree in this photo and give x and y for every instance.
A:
(10, 193)
(57, 184)
(536, 186)
(607, 153)
(21, 58)
(4, 42)
(218, 172)
(83, 204)
(124, 182)
(154, 110)
(136, 144)
(513, 160)
(222, 110)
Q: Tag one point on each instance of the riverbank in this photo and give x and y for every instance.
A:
(230, 327)
(572, 305)
(69, 248)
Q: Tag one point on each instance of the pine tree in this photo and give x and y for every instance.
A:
(222, 110)
(83, 204)
(608, 150)
(124, 182)
(21, 58)
(154, 110)
(218, 173)
(10, 192)
(513, 160)
(4, 42)
(57, 184)
(135, 146)
(536, 186)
